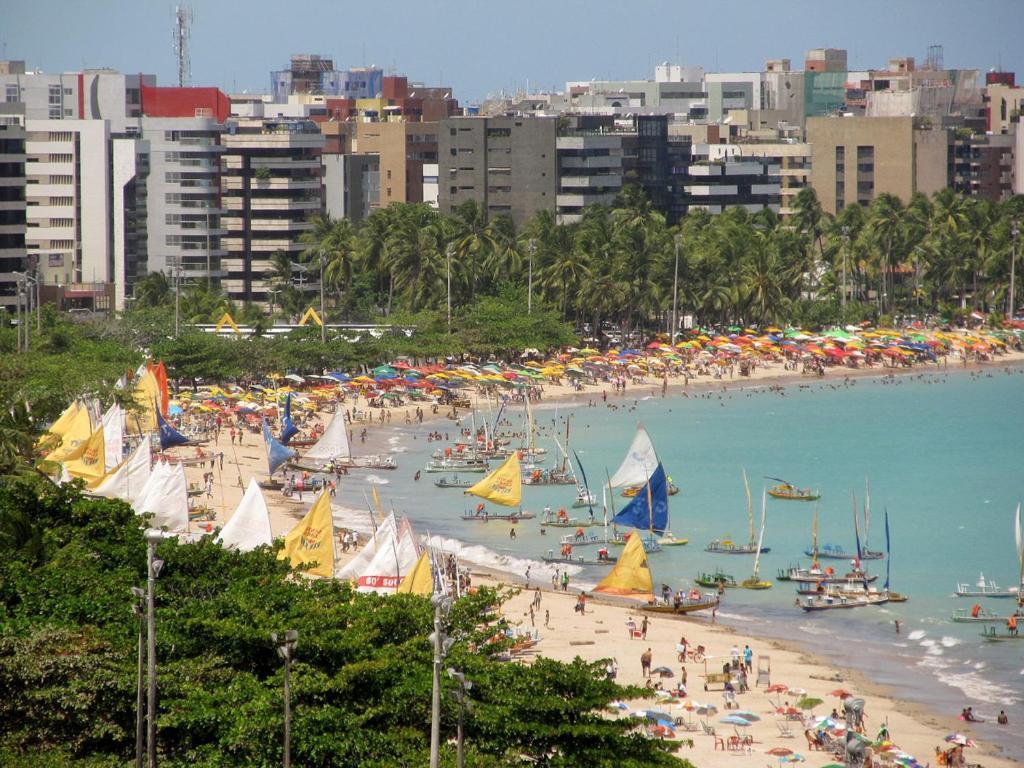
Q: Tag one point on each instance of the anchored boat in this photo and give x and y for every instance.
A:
(728, 546)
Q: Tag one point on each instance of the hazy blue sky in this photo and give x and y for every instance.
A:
(481, 46)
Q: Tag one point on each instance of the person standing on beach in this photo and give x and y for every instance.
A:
(547, 618)
(748, 658)
(531, 616)
(565, 581)
(643, 628)
(536, 598)
(645, 663)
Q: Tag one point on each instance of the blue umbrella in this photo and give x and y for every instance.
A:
(735, 720)
(746, 715)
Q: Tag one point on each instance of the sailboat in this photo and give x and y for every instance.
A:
(277, 455)
(652, 504)
(755, 581)
(786, 490)
(584, 498)
(867, 553)
(502, 486)
(836, 551)
(729, 547)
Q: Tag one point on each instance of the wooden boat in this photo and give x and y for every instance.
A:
(603, 558)
(486, 516)
(985, 588)
(702, 603)
(729, 547)
(826, 576)
(584, 498)
(271, 485)
(667, 539)
(453, 482)
(978, 615)
(584, 541)
(717, 580)
(836, 552)
(632, 490)
(547, 477)
(991, 633)
(831, 602)
(790, 492)
(456, 465)
(755, 581)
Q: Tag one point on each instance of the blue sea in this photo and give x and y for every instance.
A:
(943, 453)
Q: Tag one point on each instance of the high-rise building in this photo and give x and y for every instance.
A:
(507, 165)
(307, 73)
(589, 149)
(12, 207)
(271, 184)
(402, 148)
(855, 159)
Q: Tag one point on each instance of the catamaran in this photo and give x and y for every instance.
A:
(755, 581)
(729, 547)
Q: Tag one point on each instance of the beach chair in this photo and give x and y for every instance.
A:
(710, 731)
(784, 729)
(764, 671)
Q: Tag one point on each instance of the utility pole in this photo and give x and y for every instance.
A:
(675, 291)
(286, 645)
(323, 319)
(846, 236)
(529, 284)
(449, 252)
(139, 611)
(18, 297)
(153, 567)
(1014, 232)
(176, 272)
(442, 644)
(461, 694)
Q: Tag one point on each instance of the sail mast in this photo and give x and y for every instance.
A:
(760, 540)
(867, 513)
(888, 553)
(750, 507)
(814, 538)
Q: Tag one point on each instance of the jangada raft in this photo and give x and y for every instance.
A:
(790, 492)
(503, 486)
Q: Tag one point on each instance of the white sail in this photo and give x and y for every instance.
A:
(640, 462)
(129, 479)
(113, 436)
(760, 540)
(355, 567)
(166, 498)
(333, 443)
(395, 558)
(1020, 544)
(249, 527)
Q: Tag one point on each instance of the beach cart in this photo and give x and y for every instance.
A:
(715, 678)
(764, 671)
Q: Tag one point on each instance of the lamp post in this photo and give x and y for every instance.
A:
(461, 695)
(153, 568)
(323, 328)
(448, 253)
(442, 644)
(529, 283)
(286, 645)
(675, 291)
(272, 295)
(139, 611)
(1015, 233)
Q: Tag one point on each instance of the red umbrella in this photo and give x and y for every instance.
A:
(841, 693)
(777, 688)
(779, 752)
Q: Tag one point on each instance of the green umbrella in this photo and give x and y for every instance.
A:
(808, 702)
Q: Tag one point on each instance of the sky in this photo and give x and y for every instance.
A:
(482, 47)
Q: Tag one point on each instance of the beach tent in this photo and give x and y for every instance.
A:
(165, 496)
(113, 436)
(630, 576)
(311, 541)
(249, 527)
(395, 559)
(333, 443)
(127, 481)
(641, 460)
(358, 564)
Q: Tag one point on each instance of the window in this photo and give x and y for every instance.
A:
(55, 260)
(498, 132)
(12, 93)
(67, 91)
(453, 190)
(452, 132)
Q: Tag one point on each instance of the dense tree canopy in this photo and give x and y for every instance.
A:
(361, 681)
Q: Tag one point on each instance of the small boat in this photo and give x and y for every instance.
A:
(985, 588)
(730, 547)
(790, 492)
(561, 519)
(456, 465)
(632, 490)
(582, 541)
(823, 575)
(453, 482)
(717, 580)
(486, 516)
(584, 498)
(667, 539)
(755, 581)
(691, 604)
(977, 615)
(991, 633)
(831, 602)
(650, 543)
(547, 477)
(566, 556)
(836, 552)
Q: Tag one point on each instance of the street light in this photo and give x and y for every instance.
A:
(461, 695)
(1014, 232)
(675, 291)
(139, 611)
(442, 644)
(448, 253)
(323, 328)
(153, 568)
(286, 645)
(529, 284)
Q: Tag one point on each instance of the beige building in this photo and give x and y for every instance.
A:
(1004, 105)
(855, 159)
(403, 148)
(794, 161)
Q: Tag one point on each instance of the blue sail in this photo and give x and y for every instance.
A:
(288, 428)
(653, 515)
(277, 454)
(169, 436)
(888, 554)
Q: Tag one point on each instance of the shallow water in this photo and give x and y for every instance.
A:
(943, 453)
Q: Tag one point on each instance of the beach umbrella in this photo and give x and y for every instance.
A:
(776, 688)
(663, 671)
(810, 703)
(798, 691)
(779, 752)
(960, 739)
(747, 715)
(707, 709)
(840, 693)
(794, 758)
(735, 720)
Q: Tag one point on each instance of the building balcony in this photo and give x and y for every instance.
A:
(47, 168)
(572, 162)
(590, 141)
(47, 147)
(46, 212)
(8, 157)
(765, 189)
(705, 170)
(44, 191)
(707, 190)
(591, 181)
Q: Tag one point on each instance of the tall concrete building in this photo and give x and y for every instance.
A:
(590, 153)
(271, 184)
(855, 159)
(507, 165)
(12, 207)
(402, 148)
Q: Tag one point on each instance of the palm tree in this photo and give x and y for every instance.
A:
(811, 220)
(886, 222)
(154, 290)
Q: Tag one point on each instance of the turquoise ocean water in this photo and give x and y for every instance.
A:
(944, 453)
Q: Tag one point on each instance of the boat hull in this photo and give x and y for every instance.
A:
(684, 608)
(746, 549)
(512, 517)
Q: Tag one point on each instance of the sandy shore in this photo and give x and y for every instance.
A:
(601, 633)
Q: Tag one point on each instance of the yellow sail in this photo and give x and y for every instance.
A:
(420, 580)
(630, 576)
(89, 465)
(312, 540)
(502, 486)
(147, 395)
(51, 438)
(72, 442)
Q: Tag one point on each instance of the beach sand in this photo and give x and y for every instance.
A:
(602, 633)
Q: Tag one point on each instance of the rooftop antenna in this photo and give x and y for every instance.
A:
(182, 34)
